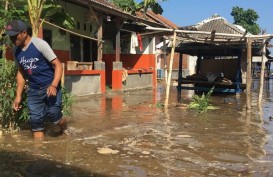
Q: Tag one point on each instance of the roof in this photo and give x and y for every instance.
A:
(159, 18)
(215, 24)
(151, 16)
(214, 45)
(219, 24)
(110, 8)
(109, 5)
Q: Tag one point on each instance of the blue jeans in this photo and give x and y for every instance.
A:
(41, 107)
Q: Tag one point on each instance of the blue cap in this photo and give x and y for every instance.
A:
(15, 27)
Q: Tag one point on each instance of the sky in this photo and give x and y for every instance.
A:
(190, 12)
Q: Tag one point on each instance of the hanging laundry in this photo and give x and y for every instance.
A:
(139, 41)
(134, 43)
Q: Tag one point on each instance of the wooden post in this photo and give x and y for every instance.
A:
(180, 71)
(262, 74)
(99, 58)
(62, 79)
(248, 74)
(117, 40)
(239, 75)
(170, 71)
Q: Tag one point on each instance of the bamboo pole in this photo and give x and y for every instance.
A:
(262, 74)
(62, 79)
(170, 71)
(248, 74)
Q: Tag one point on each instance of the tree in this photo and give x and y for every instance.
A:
(153, 4)
(35, 10)
(131, 6)
(246, 18)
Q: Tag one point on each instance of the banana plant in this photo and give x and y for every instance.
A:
(35, 8)
(40, 10)
(153, 4)
(201, 104)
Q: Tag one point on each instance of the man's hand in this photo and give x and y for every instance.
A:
(17, 103)
(51, 91)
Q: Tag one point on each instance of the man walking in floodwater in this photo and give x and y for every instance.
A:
(38, 64)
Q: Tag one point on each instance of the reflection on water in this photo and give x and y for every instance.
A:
(150, 141)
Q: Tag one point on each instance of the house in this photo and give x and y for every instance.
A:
(99, 52)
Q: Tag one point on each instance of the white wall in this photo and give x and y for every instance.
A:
(192, 64)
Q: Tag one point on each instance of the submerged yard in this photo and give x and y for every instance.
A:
(129, 134)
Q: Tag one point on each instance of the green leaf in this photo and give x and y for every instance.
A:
(201, 104)
(50, 10)
(63, 19)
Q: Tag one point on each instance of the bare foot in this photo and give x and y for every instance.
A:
(38, 136)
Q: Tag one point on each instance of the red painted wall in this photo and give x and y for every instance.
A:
(129, 61)
(62, 55)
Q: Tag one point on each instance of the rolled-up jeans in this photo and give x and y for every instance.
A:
(42, 107)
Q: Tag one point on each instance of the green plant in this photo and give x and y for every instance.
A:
(10, 119)
(159, 105)
(10, 10)
(201, 104)
(130, 6)
(66, 102)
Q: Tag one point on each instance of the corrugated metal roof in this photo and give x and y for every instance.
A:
(214, 24)
(220, 25)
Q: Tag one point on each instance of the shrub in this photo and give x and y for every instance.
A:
(66, 102)
(10, 119)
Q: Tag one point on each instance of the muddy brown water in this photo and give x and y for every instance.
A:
(129, 134)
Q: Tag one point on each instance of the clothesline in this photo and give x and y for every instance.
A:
(72, 32)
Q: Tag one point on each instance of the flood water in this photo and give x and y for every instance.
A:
(129, 134)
